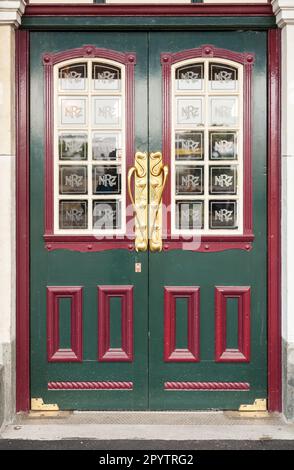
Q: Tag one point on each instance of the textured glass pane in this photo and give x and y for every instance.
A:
(190, 77)
(106, 146)
(73, 179)
(73, 77)
(223, 214)
(72, 111)
(223, 77)
(189, 111)
(73, 214)
(189, 145)
(106, 77)
(189, 215)
(73, 146)
(223, 179)
(106, 179)
(223, 111)
(223, 146)
(106, 112)
(106, 214)
(189, 180)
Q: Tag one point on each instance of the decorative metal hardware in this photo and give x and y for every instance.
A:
(37, 404)
(260, 404)
(140, 200)
(157, 182)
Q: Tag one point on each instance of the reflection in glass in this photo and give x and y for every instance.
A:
(223, 146)
(106, 111)
(106, 77)
(189, 180)
(189, 145)
(189, 111)
(72, 179)
(223, 215)
(73, 77)
(223, 179)
(73, 111)
(73, 146)
(222, 77)
(73, 214)
(106, 179)
(106, 146)
(190, 77)
(223, 111)
(189, 215)
(106, 214)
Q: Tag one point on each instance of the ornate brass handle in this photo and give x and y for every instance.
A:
(139, 170)
(157, 182)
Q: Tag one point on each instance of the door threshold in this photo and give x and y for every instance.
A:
(149, 426)
(166, 418)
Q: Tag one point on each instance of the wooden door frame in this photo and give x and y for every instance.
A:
(23, 200)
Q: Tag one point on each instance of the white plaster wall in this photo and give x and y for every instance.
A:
(7, 128)
(7, 164)
(287, 183)
(7, 261)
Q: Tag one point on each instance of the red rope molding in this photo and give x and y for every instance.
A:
(90, 386)
(218, 386)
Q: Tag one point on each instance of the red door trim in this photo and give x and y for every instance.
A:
(22, 223)
(274, 222)
(194, 9)
(22, 213)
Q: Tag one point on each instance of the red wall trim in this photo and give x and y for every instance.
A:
(105, 352)
(196, 9)
(191, 352)
(22, 224)
(212, 243)
(54, 352)
(80, 242)
(90, 385)
(274, 222)
(242, 353)
(207, 386)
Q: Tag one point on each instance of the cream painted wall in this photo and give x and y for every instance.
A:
(287, 182)
(7, 206)
(6, 91)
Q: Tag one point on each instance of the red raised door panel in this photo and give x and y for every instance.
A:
(191, 352)
(54, 352)
(105, 352)
(242, 353)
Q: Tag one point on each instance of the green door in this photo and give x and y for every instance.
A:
(178, 322)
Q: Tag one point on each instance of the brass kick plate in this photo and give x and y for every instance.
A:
(258, 405)
(37, 404)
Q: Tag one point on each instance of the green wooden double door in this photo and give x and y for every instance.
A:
(184, 328)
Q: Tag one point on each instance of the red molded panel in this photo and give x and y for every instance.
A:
(242, 353)
(171, 352)
(54, 352)
(90, 386)
(105, 352)
(207, 386)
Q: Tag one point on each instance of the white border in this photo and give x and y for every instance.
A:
(88, 93)
(206, 93)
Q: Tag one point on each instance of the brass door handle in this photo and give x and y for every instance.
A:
(157, 182)
(139, 170)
